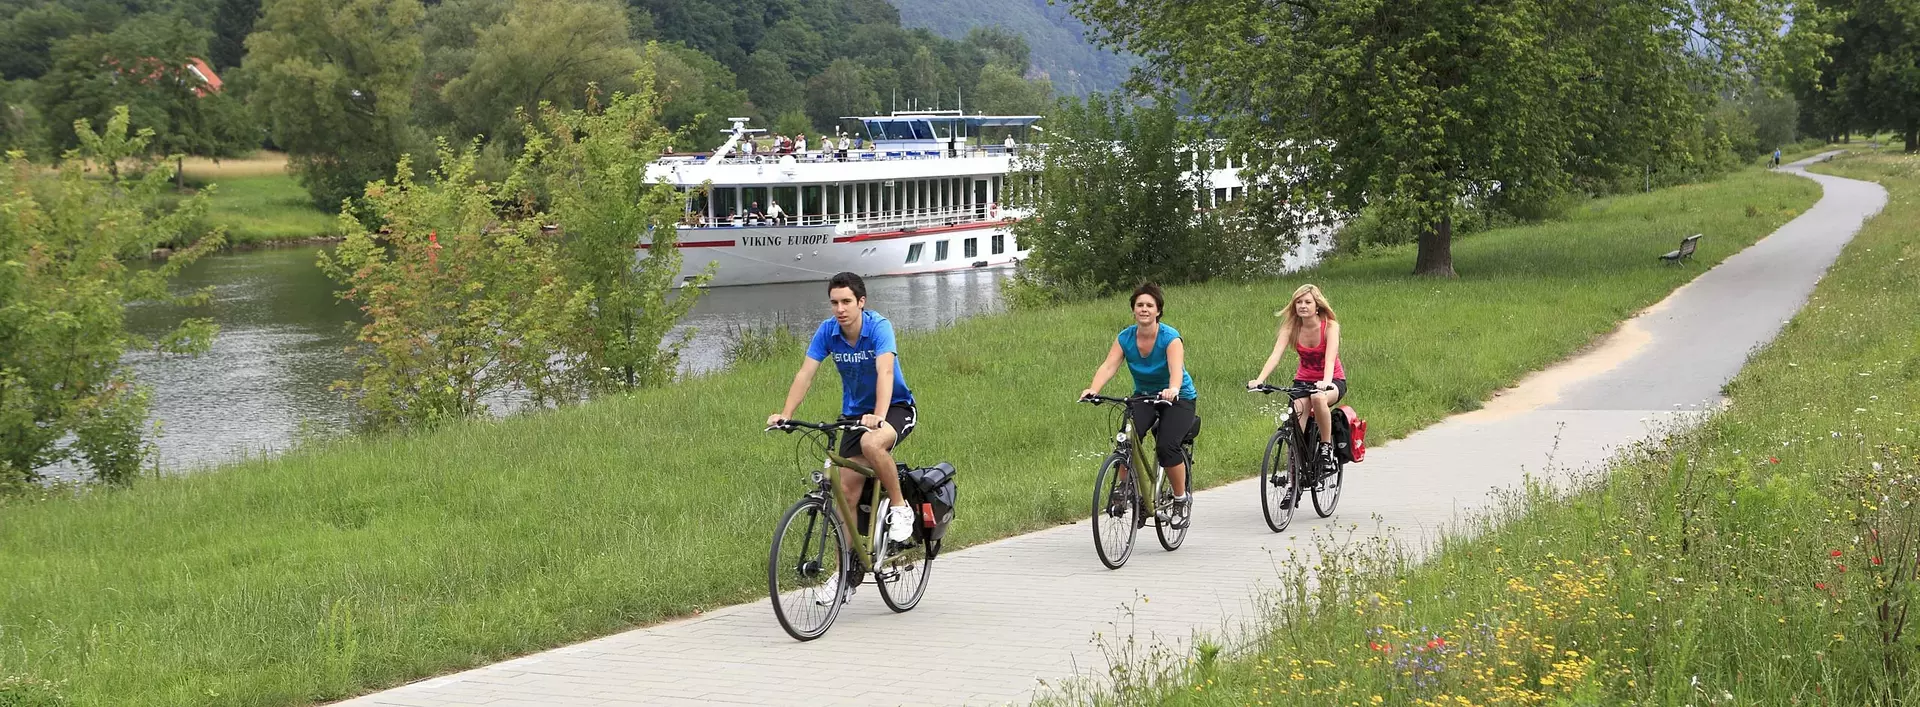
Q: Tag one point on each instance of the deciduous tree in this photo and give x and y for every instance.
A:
(333, 83)
(65, 239)
(1425, 105)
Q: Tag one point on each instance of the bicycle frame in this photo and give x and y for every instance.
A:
(849, 516)
(1298, 435)
(1129, 440)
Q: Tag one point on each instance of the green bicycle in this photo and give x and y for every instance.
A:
(814, 542)
(1120, 510)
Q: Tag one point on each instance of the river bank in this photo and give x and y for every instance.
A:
(363, 563)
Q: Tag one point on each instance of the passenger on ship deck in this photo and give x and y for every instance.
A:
(754, 216)
(776, 213)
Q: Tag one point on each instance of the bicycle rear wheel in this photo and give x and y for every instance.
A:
(1116, 512)
(1326, 492)
(1163, 491)
(807, 554)
(902, 572)
(1279, 482)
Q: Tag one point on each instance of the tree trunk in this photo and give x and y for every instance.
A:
(1436, 249)
(180, 173)
(1913, 135)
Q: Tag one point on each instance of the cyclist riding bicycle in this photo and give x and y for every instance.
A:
(861, 344)
(1311, 327)
(1155, 355)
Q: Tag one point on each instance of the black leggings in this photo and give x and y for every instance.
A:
(1176, 422)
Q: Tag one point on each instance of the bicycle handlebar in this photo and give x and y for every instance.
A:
(1295, 392)
(789, 426)
(1129, 400)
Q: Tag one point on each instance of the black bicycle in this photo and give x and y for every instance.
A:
(1290, 465)
(1120, 510)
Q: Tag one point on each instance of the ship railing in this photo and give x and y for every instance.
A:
(874, 154)
(854, 223)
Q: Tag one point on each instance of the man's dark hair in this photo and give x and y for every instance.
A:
(1151, 290)
(849, 281)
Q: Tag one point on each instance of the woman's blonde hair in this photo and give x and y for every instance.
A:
(1291, 319)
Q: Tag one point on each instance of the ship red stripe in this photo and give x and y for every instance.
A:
(889, 235)
(694, 244)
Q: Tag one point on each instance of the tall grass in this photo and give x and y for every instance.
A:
(1765, 558)
(264, 208)
(364, 563)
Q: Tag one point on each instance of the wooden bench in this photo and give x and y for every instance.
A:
(1686, 249)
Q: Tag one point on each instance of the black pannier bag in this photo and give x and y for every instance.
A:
(933, 494)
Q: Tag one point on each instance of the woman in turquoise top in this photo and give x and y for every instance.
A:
(1156, 357)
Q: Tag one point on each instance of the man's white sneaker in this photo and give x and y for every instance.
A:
(833, 588)
(899, 523)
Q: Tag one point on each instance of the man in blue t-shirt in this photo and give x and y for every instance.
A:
(861, 345)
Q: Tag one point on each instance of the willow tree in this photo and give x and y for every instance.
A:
(1420, 106)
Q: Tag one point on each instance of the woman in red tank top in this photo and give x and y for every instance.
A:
(1313, 332)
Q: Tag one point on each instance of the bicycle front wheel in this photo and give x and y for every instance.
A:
(1115, 512)
(1279, 482)
(808, 553)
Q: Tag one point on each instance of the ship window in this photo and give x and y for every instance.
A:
(940, 251)
(999, 244)
(970, 248)
(913, 252)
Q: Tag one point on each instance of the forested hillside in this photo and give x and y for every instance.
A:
(1061, 50)
(360, 82)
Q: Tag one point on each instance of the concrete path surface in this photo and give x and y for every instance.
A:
(1002, 617)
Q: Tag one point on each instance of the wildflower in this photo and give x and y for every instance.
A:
(1843, 568)
(1773, 460)
(1822, 586)
(1876, 561)
(1835, 553)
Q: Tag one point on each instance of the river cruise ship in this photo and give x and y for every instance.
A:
(921, 192)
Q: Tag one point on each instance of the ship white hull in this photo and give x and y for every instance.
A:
(769, 254)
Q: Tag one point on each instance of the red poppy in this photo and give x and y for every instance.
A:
(1876, 561)
(1843, 568)
(1773, 460)
(1835, 553)
(1820, 585)
(1376, 646)
(1435, 643)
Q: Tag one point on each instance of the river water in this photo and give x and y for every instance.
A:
(265, 384)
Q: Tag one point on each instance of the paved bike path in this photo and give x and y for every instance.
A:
(1001, 618)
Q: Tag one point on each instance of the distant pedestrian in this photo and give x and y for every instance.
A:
(1776, 157)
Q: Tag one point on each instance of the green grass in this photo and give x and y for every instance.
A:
(264, 208)
(1766, 558)
(365, 563)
